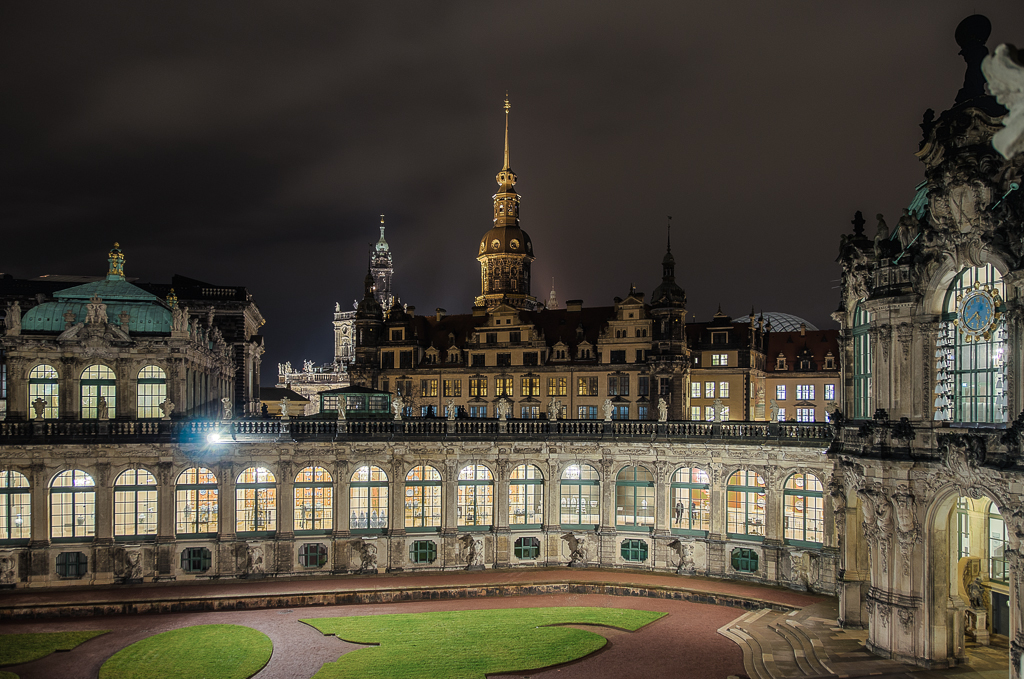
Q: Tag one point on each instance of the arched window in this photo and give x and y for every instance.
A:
(691, 501)
(43, 383)
(745, 500)
(997, 566)
(476, 496)
(422, 498)
(98, 382)
(135, 503)
(196, 503)
(368, 499)
(314, 501)
(803, 509)
(861, 364)
(970, 357)
(526, 497)
(256, 501)
(15, 507)
(72, 506)
(152, 391)
(580, 497)
(634, 497)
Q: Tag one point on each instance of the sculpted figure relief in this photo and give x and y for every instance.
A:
(8, 568)
(367, 556)
(13, 319)
(607, 410)
(397, 404)
(662, 410)
(577, 549)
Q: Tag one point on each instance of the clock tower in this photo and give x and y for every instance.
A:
(506, 251)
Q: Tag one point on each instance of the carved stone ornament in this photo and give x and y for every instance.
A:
(1004, 71)
(963, 455)
(906, 616)
(907, 528)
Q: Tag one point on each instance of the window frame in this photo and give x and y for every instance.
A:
(417, 480)
(525, 481)
(126, 495)
(15, 513)
(803, 510)
(475, 493)
(203, 491)
(319, 489)
(263, 519)
(742, 506)
(587, 477)
(682, 489)
(377, 499)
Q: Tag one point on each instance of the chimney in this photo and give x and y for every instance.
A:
(574, 305)
(803, 329)
(439, 313)
(411, 310)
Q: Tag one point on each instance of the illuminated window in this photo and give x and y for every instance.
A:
(314, 500)
(803, 510)
(691, 501)
(478, 411)
(43, 383)
(723, 389)
(475, 496)
(963, 528)
(862, 356)
(634, 497)
(256, 501)
(503, 387)
(195, 506)
(98, 383)
(477, 386)
(72, 505)
(805, 392)
(526, 497)
(695, 412)
(135, 505)
(805, 414)
(558, 386)
(530, 412)
(368, 499)
(580, 496)
(530, 386)
(587, 412)
(997, 565)
(422, 498)
(15, 506)
(978, 347)
(428, 388)
(830, 392)
(720, 359)
(709, 390)
(453, 388)
(780, 392)
(709, 413)
(152, 391)
(586, 386)
(745, 502)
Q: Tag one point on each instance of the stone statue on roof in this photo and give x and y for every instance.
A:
(13, 318)
(1004, 70)
(881, 239)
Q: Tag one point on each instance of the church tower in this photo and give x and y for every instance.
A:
(381, 268)
(506, 251)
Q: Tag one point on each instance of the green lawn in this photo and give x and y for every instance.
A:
(200, 652)
(21, 648)
(469, 644)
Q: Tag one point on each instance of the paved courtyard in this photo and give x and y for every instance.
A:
(796, 636)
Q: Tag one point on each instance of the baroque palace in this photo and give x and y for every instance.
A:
(880, 463)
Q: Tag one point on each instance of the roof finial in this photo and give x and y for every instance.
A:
(507, 107)
(668, 247)
(116, 260)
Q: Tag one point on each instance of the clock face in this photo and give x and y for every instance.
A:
(977, 310)
(978, 313)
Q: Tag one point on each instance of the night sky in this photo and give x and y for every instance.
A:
(256, 144)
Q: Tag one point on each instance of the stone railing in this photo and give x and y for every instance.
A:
(299, 429)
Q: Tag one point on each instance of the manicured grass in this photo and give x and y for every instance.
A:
(203, 651)
(469, 644)
(8, 675)
(21, 648)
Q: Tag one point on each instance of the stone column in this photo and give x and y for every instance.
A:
(662, 498)
(606, 553)
(226, 510)
(552, 552)
(166, 529)
(39, 568)
(397, 553)
(449, 513)
(341, 534)
(502, 531)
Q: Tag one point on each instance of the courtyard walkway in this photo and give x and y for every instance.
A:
(715, 628)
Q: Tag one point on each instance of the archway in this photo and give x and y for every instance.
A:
(968, 582)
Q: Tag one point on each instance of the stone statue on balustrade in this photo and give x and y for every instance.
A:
(607, 410)
(662, 410)
(225, 404)
(166, 407)
(397, 405)
(504, 409)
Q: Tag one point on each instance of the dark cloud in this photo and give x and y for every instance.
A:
(257, 144)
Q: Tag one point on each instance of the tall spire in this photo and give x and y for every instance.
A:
(507, 107)
(668, 245)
